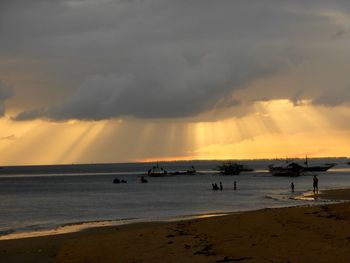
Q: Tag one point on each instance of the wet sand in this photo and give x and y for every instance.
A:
(336, 194)
(298, 234)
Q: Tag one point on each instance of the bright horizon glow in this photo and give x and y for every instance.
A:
(277, 129)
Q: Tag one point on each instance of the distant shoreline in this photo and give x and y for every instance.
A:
(168, 161)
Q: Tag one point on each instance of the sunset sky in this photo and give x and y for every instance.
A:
(96, 81)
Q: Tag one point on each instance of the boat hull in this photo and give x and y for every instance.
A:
(285, 173)
(290, 170)
(156, 175)
(323, 168)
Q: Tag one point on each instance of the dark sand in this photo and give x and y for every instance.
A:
(299, 234)
(336, 194)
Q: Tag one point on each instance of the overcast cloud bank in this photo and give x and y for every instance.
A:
(169, 59)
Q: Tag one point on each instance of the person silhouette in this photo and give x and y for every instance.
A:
(315, 184)
(234, 185)
(292, 187)
(221, 186)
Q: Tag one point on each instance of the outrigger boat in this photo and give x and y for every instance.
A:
(230, 168)
(294, 169)
(318, 168)
(157, 171)
(288, 169)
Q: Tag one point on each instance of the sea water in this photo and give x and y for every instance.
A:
(37, 202)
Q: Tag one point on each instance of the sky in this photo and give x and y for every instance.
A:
(100, 81)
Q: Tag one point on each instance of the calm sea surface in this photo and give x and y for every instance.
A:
(35, 202)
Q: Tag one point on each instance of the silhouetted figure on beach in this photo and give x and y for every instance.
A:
(315, 184)
(234, 185)
(292, 187)
(221, 186)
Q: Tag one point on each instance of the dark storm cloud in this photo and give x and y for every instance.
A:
(5, 93)
(160, 59)
(332, 98)
(338, 34)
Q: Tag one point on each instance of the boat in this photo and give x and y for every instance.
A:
(322, 168)
(288, 169)
(244, 168)
(317, 168)
(118, 181)
(157, 171)
(229, 168)
(190, 171)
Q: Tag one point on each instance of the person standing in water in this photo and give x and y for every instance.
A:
(315, 184)
(292, 187)
(221, 186)
(234, 185)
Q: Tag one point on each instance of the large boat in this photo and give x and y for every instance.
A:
(288, 169)
(317, 168)
(321, 168)
(157, 171)
(229, 168)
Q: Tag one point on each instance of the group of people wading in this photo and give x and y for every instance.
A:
(220, 187)
(216, 187)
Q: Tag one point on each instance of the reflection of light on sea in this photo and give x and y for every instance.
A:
(309, 196)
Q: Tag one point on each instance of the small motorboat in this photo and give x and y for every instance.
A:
(143, 180)
(190, 171)
(118, 181)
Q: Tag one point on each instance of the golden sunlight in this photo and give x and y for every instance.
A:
(275, 129)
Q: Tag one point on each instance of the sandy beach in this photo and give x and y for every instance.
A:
(298, 234)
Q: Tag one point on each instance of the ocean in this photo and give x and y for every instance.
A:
(40, 199)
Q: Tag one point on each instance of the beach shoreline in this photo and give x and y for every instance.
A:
(330, 195)
(276, 234)
(86, 225)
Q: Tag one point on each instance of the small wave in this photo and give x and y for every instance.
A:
(278, 197)
(6, 232)
(62, 229)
